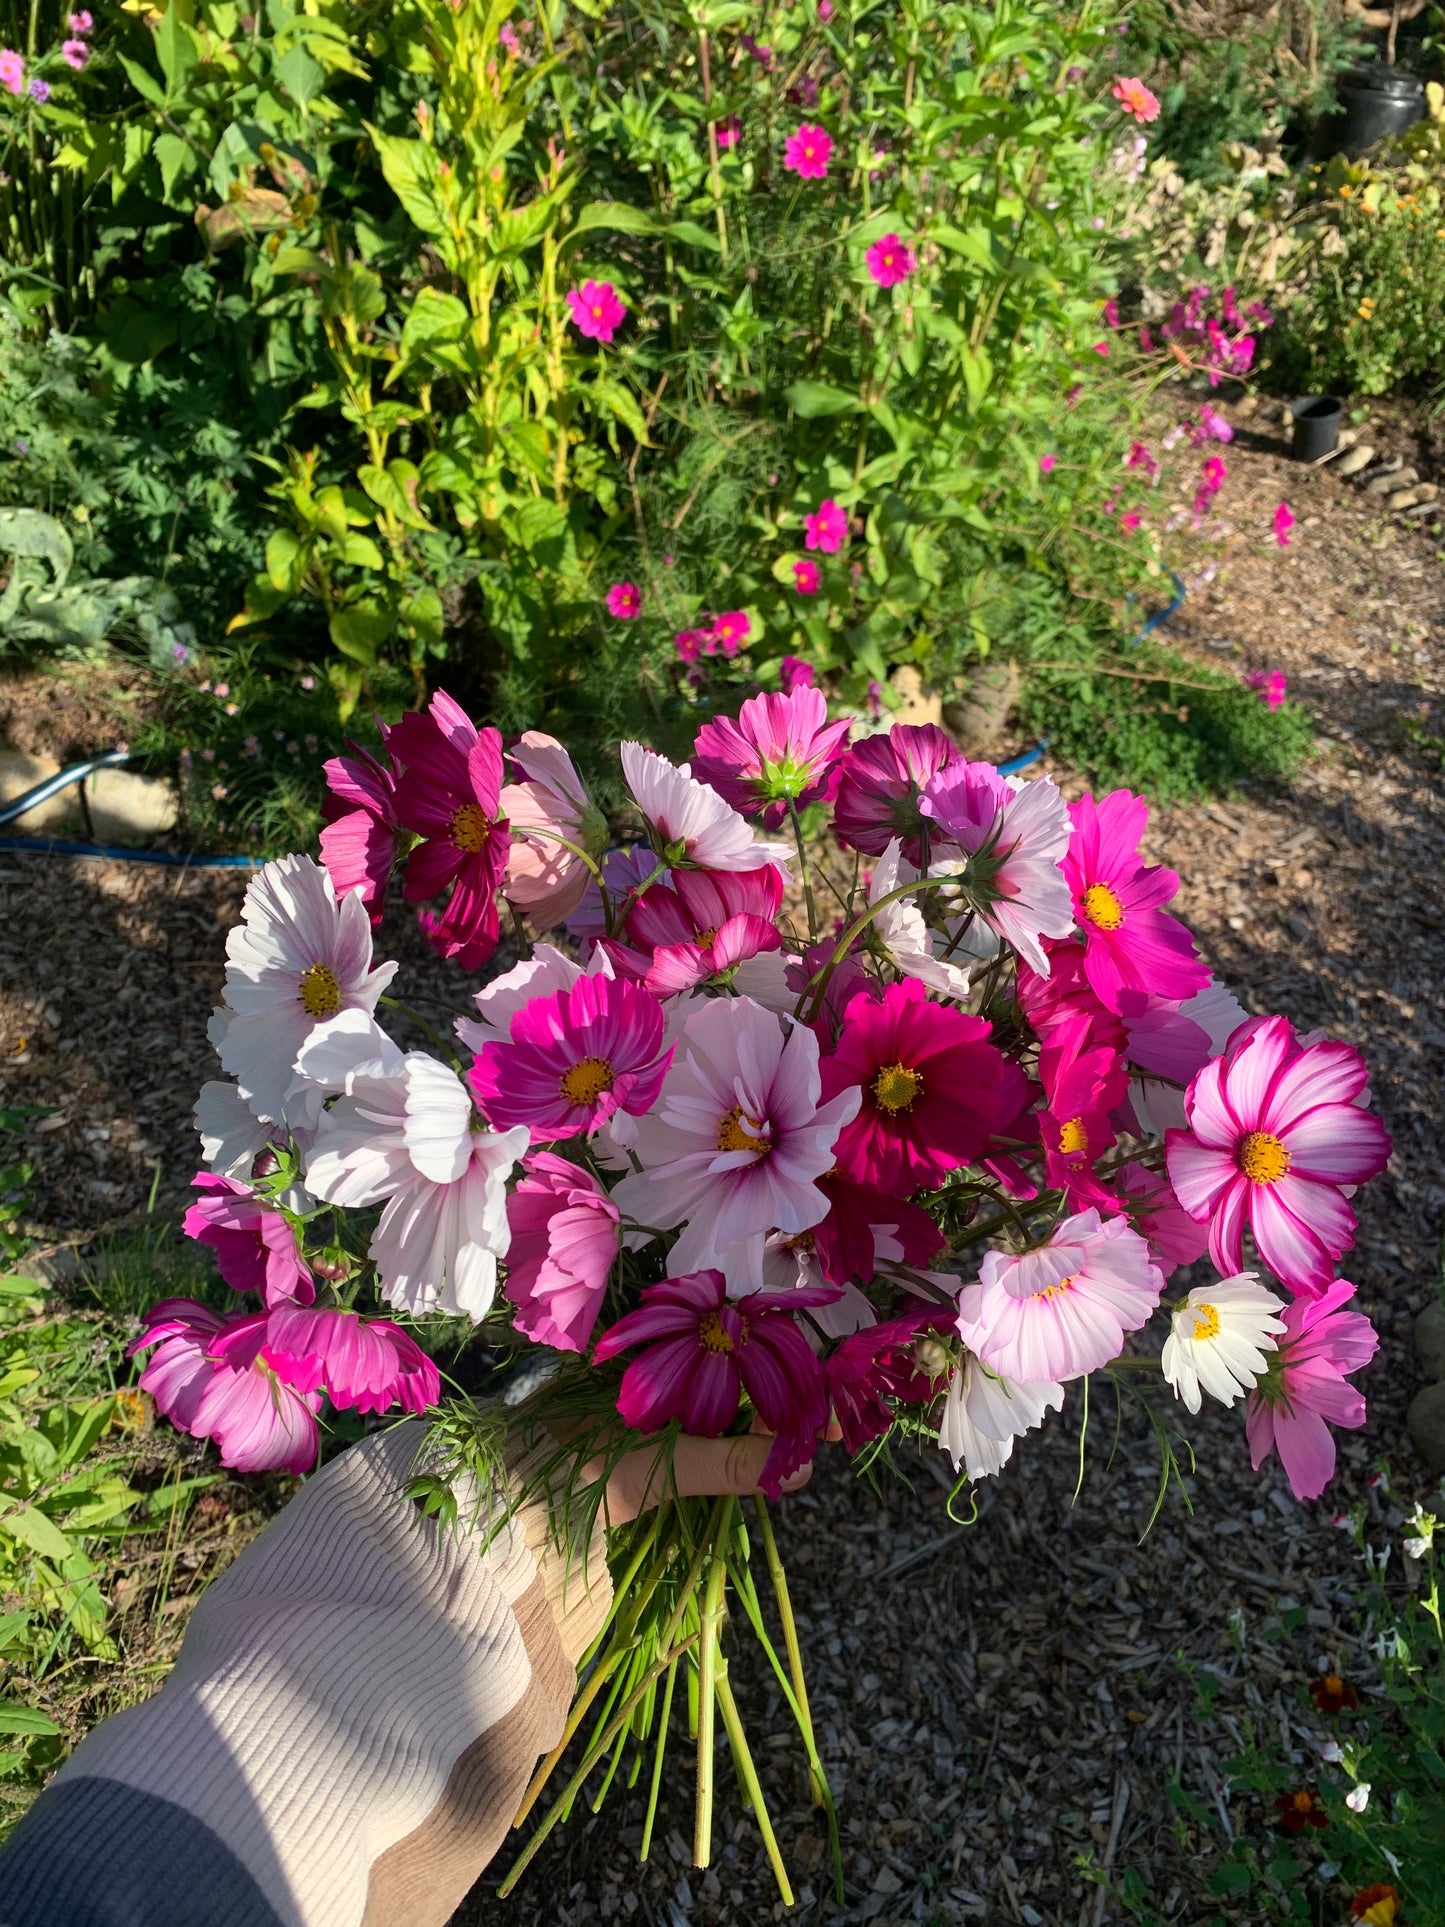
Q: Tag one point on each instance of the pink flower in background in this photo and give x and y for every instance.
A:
(1136, 99)
(807, 152)
(1211, 426)
(255, 1246)
(825, 11)
(624, 600)
(75, 53)
(1063, 1309)
(598, 311)
(729, 132)
(1306, 1389)
(449, 794)
(1101, 348)
(1014, 840)
(688, 644)
(697, 924)
(574, 1059)
(933, 1088)
(807, 580)
(564, 1241)
(690, 818)
(1111, 312)
(365, 1364)
(1131, 942)
(827, 528)
(80, 23)
(763, 55)
(703, 1352)
(1283, 523)
(1130, 522)
(731, 630)
(781, 749)
(1047, 464)
(1211, 480)
(1275, 1133)
(1174, 1237)
(40, 90)
(358, 842)
(210, 1377)
(890, 261)
(12, 71)
(1272, 685)
(1146, 338)
(548, 811)
(881, 782)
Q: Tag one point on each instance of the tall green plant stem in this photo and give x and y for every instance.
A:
(714, 169)
(709, 1663)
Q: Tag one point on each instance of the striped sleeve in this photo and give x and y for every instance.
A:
(352, 1719)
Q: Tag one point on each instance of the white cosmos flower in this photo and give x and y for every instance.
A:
(681, 811)
(983, 1414)
(544, 973)
(296, 959)
(1358, 1797)
(904, 934)
(1218, 1339)
(407, 1136)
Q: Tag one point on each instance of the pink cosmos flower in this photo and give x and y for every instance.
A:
(876, 1365)
(881, 783)
(1275, 1133)
(1083, 1081)
(365, 1364)
(825, 11)
(703, 1353)
(807, 152)
(1173, 1236)
(624, 600)
(598, 311)
(255, 1246)
(574, 1059)
(731, 631)
(1140, 457)
(358, 843)
(210, 1377)
(1212, 426)
(547, 812)
(12, 71)
(1283, 523)
(698, 924)
(827, 527)
(1013, 840)
(781, 749)
(1047, 464)
(890, 262)
(1063, 1309)
(1272, 685)
(1136, 99)
(564, 1240)
(1131, 521)
(80, 23)
(932, 1088)
(1212, 477)
(1131, 943)
(1101, 348)
(865, 1228)
(740, 1137)
(449, 794)
(729, 132)
(689, 820)
(75, 53)
(807, 580)
(795, 673)
(1305, 1386)
(688, 644)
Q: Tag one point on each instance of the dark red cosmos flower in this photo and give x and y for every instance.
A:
(1332, 1694)
(1299, 1810)
(878, 1363)
(861, 1225)
(449, 794)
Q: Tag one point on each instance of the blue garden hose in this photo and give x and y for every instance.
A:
(61, 846)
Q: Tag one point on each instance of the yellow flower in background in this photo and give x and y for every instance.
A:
(1346, 191)
(1366, 309)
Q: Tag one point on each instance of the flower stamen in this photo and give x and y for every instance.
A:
(319, 992)
(469, 828)
(896, 1088)
(1102, 907)
(737, 1133)
(585, 1081)
(1263, 1158)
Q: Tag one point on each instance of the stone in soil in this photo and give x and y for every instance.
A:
(20, 772)
(130, 806)
(1358, 458)
(1426, 1421)
(1430, 1341)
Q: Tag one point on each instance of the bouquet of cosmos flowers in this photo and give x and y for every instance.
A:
(868, 1093)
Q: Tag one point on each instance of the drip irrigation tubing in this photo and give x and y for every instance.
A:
(175, 859)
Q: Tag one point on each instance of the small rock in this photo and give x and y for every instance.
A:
(1360, 456)
(126, 805)
(18, 773)
(1381, 469)
(1403, 498)
(977, 717)
(1391, 479)
(885, 1881)
(916, 703)
(1425, 1420)
(1427, 492)
(1430, 1341)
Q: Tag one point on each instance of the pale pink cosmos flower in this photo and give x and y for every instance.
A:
(564, 1241)
(1283, 523)
(807, 152)
(1012, 839)
(739, 1138)
(1063, 1309)
(1305, 1390)
(983, 1414)
(75, 53)
(688, 820)
(598, 311)
(1136, 99)
(827, 527)
(210, 1377)
(549, 811)
(547, 970)
(782, 749)
(12, 71)
(624, 600)
(807, 580)
(1275, 1136)
(890, 261)
(913, 948)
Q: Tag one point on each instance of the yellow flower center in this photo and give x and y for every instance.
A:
(1334, 1685)
(1073, 1138)
(585, 1082)
(319, 992)
(469, 828)
(1102, 907)
(1303, 1802)
(1206, 1322)
(711, 1336)
(1263, 1158)
(1058, 1290)
(735, 1132)
(896, 1087)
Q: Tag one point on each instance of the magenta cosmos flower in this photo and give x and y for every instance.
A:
(881, 782)
(1047, 464)
(1012, 841)
(826, 529)
(807, 580)
(624, 600)
(731, 630)
(782, 749)
(1305, 1389)
(598, 310)
(703, 1353)
(1061, 1310)
(358, 843)
(574, 1059)
(449, 795)
(1274, 1133)
(1084, 1080)
(1136, 99)
(255, 1246)
(698, 924)
(1131, 943)
(210, 1377)
(729, 132)
(879, 1364)
(933, 1088)
(365, 1364)
(890, 262)
(1283, 523)
(564, 1241)
(807, 152)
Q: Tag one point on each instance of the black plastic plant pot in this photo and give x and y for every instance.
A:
(1316, 426)
(1378, 102)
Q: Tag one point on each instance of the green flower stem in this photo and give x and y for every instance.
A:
(580, 1708)
(794, 1648)
(413, 1017)
(823, 977)
(655, 1790)
(633, 895)
(803, 869)
(709, 1664)
(747, 1773)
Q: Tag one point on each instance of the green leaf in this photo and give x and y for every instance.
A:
(167, 1497)
(620, 216)
(693, 235)
(15, 1718)
(394, 488)
(433, 315)
(408, 166)
(176, 157)
(33, 1529)
(1230, 1878)
(359, 632)
(286, 561)
(813, 398)
(621, 403)
(144, 83)
(362, 553)
(12, 1625)
(976, 244)
(92, 1423)
(175, 49)
(302, 75)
